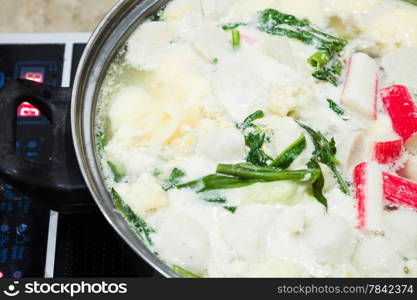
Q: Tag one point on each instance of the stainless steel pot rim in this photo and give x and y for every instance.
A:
(104, 43)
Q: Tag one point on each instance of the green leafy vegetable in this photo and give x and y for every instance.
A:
(326, 61)
(215, 61)
(232, 209)
(100, 140)
(231, 26)
(183, 272)
(240, 175)
(286, 158)
(174, 179)
(244, 172)
(141, 228)
(235, 39)
(217, 182)
(255, 138)
(117, 175)
(216, 200)
(413, 2)
(255, 141)
(318, 184)
(325, 153)
(335, 107)
(259, 114)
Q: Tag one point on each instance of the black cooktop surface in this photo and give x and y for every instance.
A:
(85, 244)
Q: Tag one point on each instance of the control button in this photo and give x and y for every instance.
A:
(22, 228)
(32, 144)
(17, 274)
(1, 79)
(4, 228)
(32, 154)
(9, 195)
(8, 186)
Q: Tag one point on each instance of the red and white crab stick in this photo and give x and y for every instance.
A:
(368, 182)
(400, 191)
(388, 152)
(403, 113)
(361, 86)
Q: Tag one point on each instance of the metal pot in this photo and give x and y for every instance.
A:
(73, 120)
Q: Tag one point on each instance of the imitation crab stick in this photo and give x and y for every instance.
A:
(400, 191)
(403, 113)
(388, 152)
(368, 182)
(361, 85)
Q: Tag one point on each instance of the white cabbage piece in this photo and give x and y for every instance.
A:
(283, 192)
(181, 240)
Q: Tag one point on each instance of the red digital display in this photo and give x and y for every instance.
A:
(26, 109)
(34, 76)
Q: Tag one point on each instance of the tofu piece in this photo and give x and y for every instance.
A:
(147, 43)
(212, 42)
(312, 10)
(183, 11)
(400, 67)
(144, 196)
(361, 84)
(279, 48)
(350, 7)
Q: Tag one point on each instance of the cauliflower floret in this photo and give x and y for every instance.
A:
(144, 196)
(286, 97)
(292, 220)
(375, 258)
(401, 231)
(330, 238)
(392, 29)
(222, 145)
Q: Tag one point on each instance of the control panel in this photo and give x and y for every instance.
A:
(23, 222)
